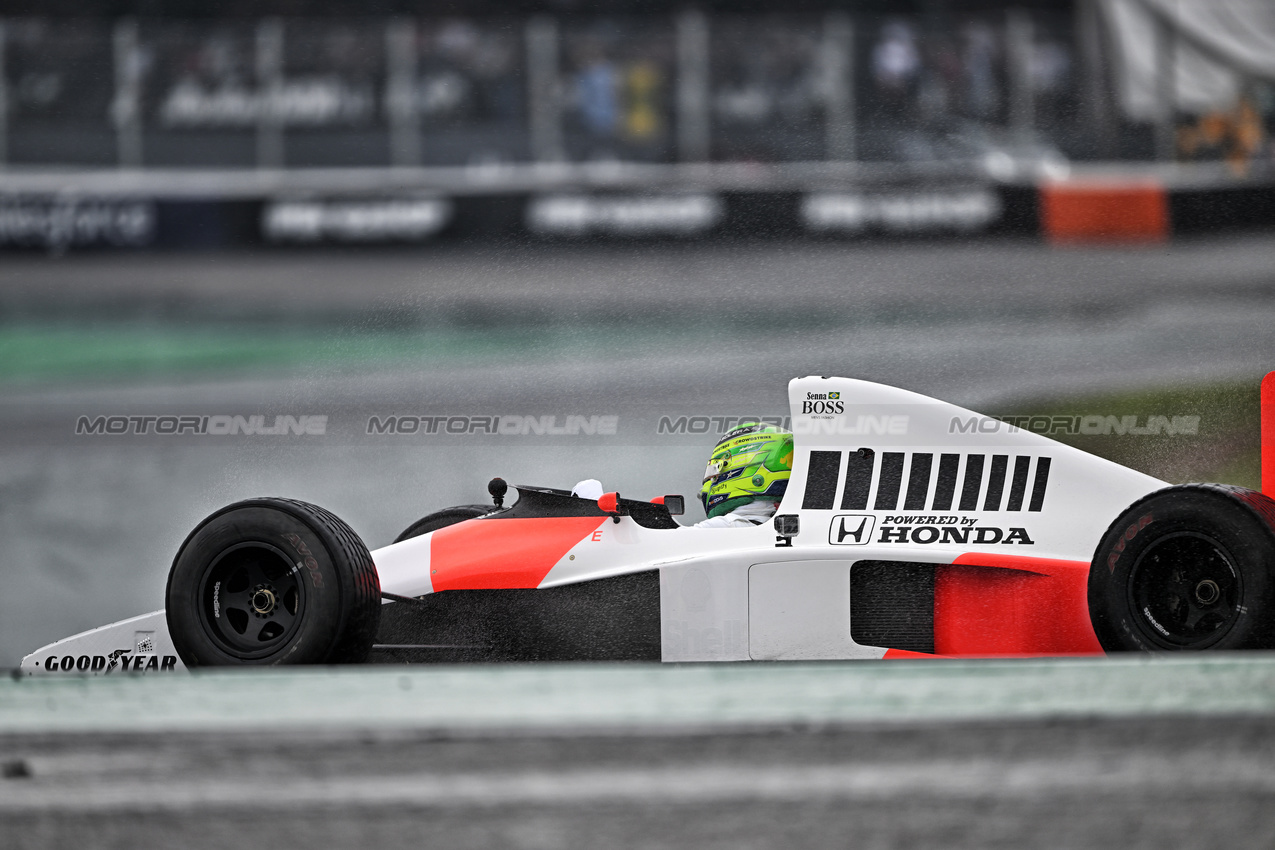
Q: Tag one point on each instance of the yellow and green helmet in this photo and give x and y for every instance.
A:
(750, 462)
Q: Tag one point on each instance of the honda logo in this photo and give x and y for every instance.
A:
(851, 529)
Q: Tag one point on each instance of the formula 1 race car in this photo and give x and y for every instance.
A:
(909, 527)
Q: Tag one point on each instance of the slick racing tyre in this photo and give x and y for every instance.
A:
(273, 581)
(1187, 568)
(443, 518)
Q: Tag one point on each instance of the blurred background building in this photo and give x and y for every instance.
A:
(471, 97)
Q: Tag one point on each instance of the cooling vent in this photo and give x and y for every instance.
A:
(892, 605)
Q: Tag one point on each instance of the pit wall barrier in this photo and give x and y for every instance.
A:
(1079, 212)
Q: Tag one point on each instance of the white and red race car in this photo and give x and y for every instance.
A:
(910, 527)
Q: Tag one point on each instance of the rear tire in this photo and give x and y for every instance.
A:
(269, 582)
(442, 519)
(1187, 568)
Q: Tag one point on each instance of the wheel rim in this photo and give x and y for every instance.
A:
(1185, 591)
(250, 600)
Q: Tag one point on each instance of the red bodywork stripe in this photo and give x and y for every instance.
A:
(1008, 605)
(1268, 434)
(481, 554)
(892, 654)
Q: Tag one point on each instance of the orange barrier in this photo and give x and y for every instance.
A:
(1080, 212)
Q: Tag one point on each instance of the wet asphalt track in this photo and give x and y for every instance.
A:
(1122, 753)
(1128, 784)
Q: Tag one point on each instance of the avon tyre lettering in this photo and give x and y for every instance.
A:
(1128, 535)
(310, 563)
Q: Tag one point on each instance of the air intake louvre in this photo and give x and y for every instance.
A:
(892, 605)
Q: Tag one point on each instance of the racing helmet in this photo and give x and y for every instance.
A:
(750, 462)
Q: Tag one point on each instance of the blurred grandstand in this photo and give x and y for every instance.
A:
(149, 123)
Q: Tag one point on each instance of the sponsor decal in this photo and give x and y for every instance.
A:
(61, 223)
(122, 660)
(683, 640)
(112, 660)
(505, 425)
(215, 426)
(851, 529)
(308, 561)
(960, 210)
(1146, 612)
(1128, 534)
(822, 404)
(384, 220)
(624, 215)
(1087, 425)
(949, 530)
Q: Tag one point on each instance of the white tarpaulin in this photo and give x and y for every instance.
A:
(1216, 45)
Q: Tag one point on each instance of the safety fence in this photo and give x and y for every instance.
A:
(669, 87)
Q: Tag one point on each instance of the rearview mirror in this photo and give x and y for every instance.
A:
(676, 505)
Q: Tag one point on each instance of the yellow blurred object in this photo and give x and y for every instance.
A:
(641, 83)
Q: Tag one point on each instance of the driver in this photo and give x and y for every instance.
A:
(746, 477)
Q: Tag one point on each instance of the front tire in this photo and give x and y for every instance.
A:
(1187, 568)
(269, 582)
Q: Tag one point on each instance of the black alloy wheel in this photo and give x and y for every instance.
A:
(251, 600)
(1185, 568)
(1186, 590)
